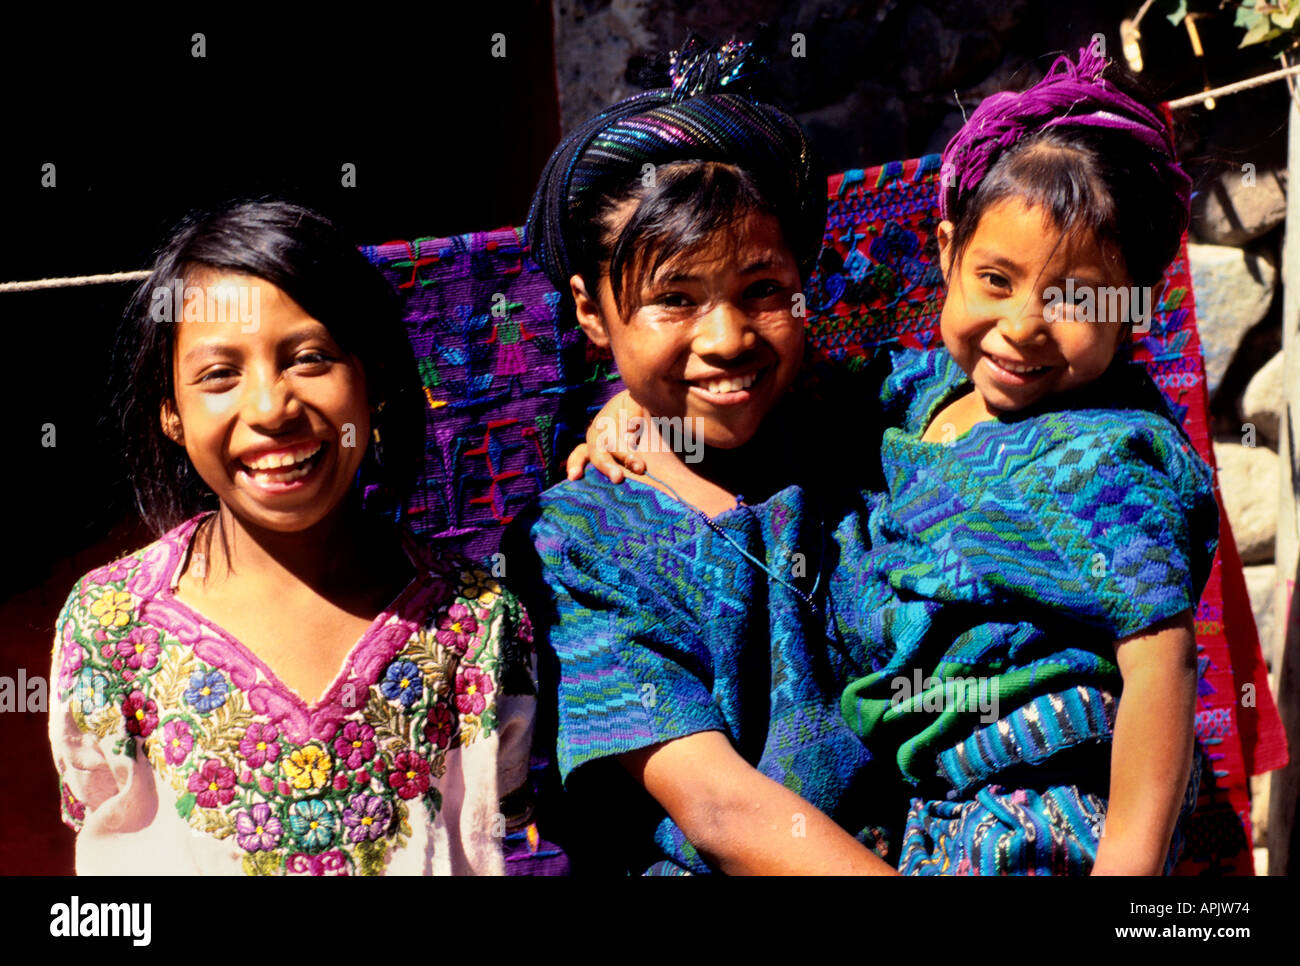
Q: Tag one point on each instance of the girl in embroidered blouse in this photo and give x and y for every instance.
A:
(1045, 527)
(283, 682)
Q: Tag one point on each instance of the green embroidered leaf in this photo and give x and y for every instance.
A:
(262, 863)
(372, 856)
(391, 728)
(172, 676)
(489, 720)
(185, 804)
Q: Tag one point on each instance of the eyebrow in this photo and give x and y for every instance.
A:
(764, 264)
(995, 259)
(1002, 261)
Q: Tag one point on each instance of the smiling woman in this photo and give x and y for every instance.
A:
(303, 686)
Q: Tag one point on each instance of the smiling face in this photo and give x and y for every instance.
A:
(998, 321)
(711, 335)
(275, 419)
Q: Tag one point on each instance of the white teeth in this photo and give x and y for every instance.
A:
(289, 477)
(1015, 367)
(273, 461)
(718, 386)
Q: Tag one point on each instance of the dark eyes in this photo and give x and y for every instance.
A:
(309, 359)
(995, 280)
(216, 375)
(764, 289)
(672, 300)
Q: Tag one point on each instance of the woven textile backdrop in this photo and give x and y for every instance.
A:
(511, 388)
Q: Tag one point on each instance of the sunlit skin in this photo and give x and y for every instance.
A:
(994, 313)
(305, 577)
(723, 313)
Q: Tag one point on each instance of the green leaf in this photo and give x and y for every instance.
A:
(1258, 34)
(1177, 16)
(1247, 17)
(185, 804)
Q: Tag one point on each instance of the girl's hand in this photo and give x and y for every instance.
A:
(611, 442)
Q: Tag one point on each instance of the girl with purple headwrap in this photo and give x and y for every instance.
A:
(1045, 530)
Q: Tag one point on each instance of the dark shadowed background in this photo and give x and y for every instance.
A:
(445, 138)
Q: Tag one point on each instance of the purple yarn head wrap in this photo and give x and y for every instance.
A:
(1071, 96)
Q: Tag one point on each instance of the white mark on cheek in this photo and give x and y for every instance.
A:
(217, 403)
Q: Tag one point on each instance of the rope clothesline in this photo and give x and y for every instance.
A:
(113, 277)
(1227, 89)
(72, 282)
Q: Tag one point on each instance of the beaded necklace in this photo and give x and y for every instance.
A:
(807, 598)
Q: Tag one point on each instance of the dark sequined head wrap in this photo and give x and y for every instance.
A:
(706, 114)
(1072, 95)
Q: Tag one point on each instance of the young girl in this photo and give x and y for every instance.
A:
(283, 682)
(1045, 526)
(683, 621)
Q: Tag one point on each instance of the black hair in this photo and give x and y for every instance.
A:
(687, 203)
(1096, 179)
(306, 256)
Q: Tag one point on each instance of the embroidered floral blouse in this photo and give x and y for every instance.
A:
(180, 752)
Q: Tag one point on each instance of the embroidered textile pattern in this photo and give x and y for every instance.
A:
(330, 788)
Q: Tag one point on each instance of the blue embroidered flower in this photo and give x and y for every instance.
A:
(206, 691)
(312, 824)
(91, 690)
(402, 683)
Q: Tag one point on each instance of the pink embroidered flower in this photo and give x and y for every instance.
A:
(107, 574)
(214, 783)
(356, 745)
(456, 628)
(472, 689)
(177, 741)
(410, 775)
(74, 808)
(70, 663)
(259, 745)
(140, 649)
(141, 714)
(439, 727)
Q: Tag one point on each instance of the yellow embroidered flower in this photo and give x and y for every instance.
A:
(308, 768)
(477, 585)
(113, 609)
